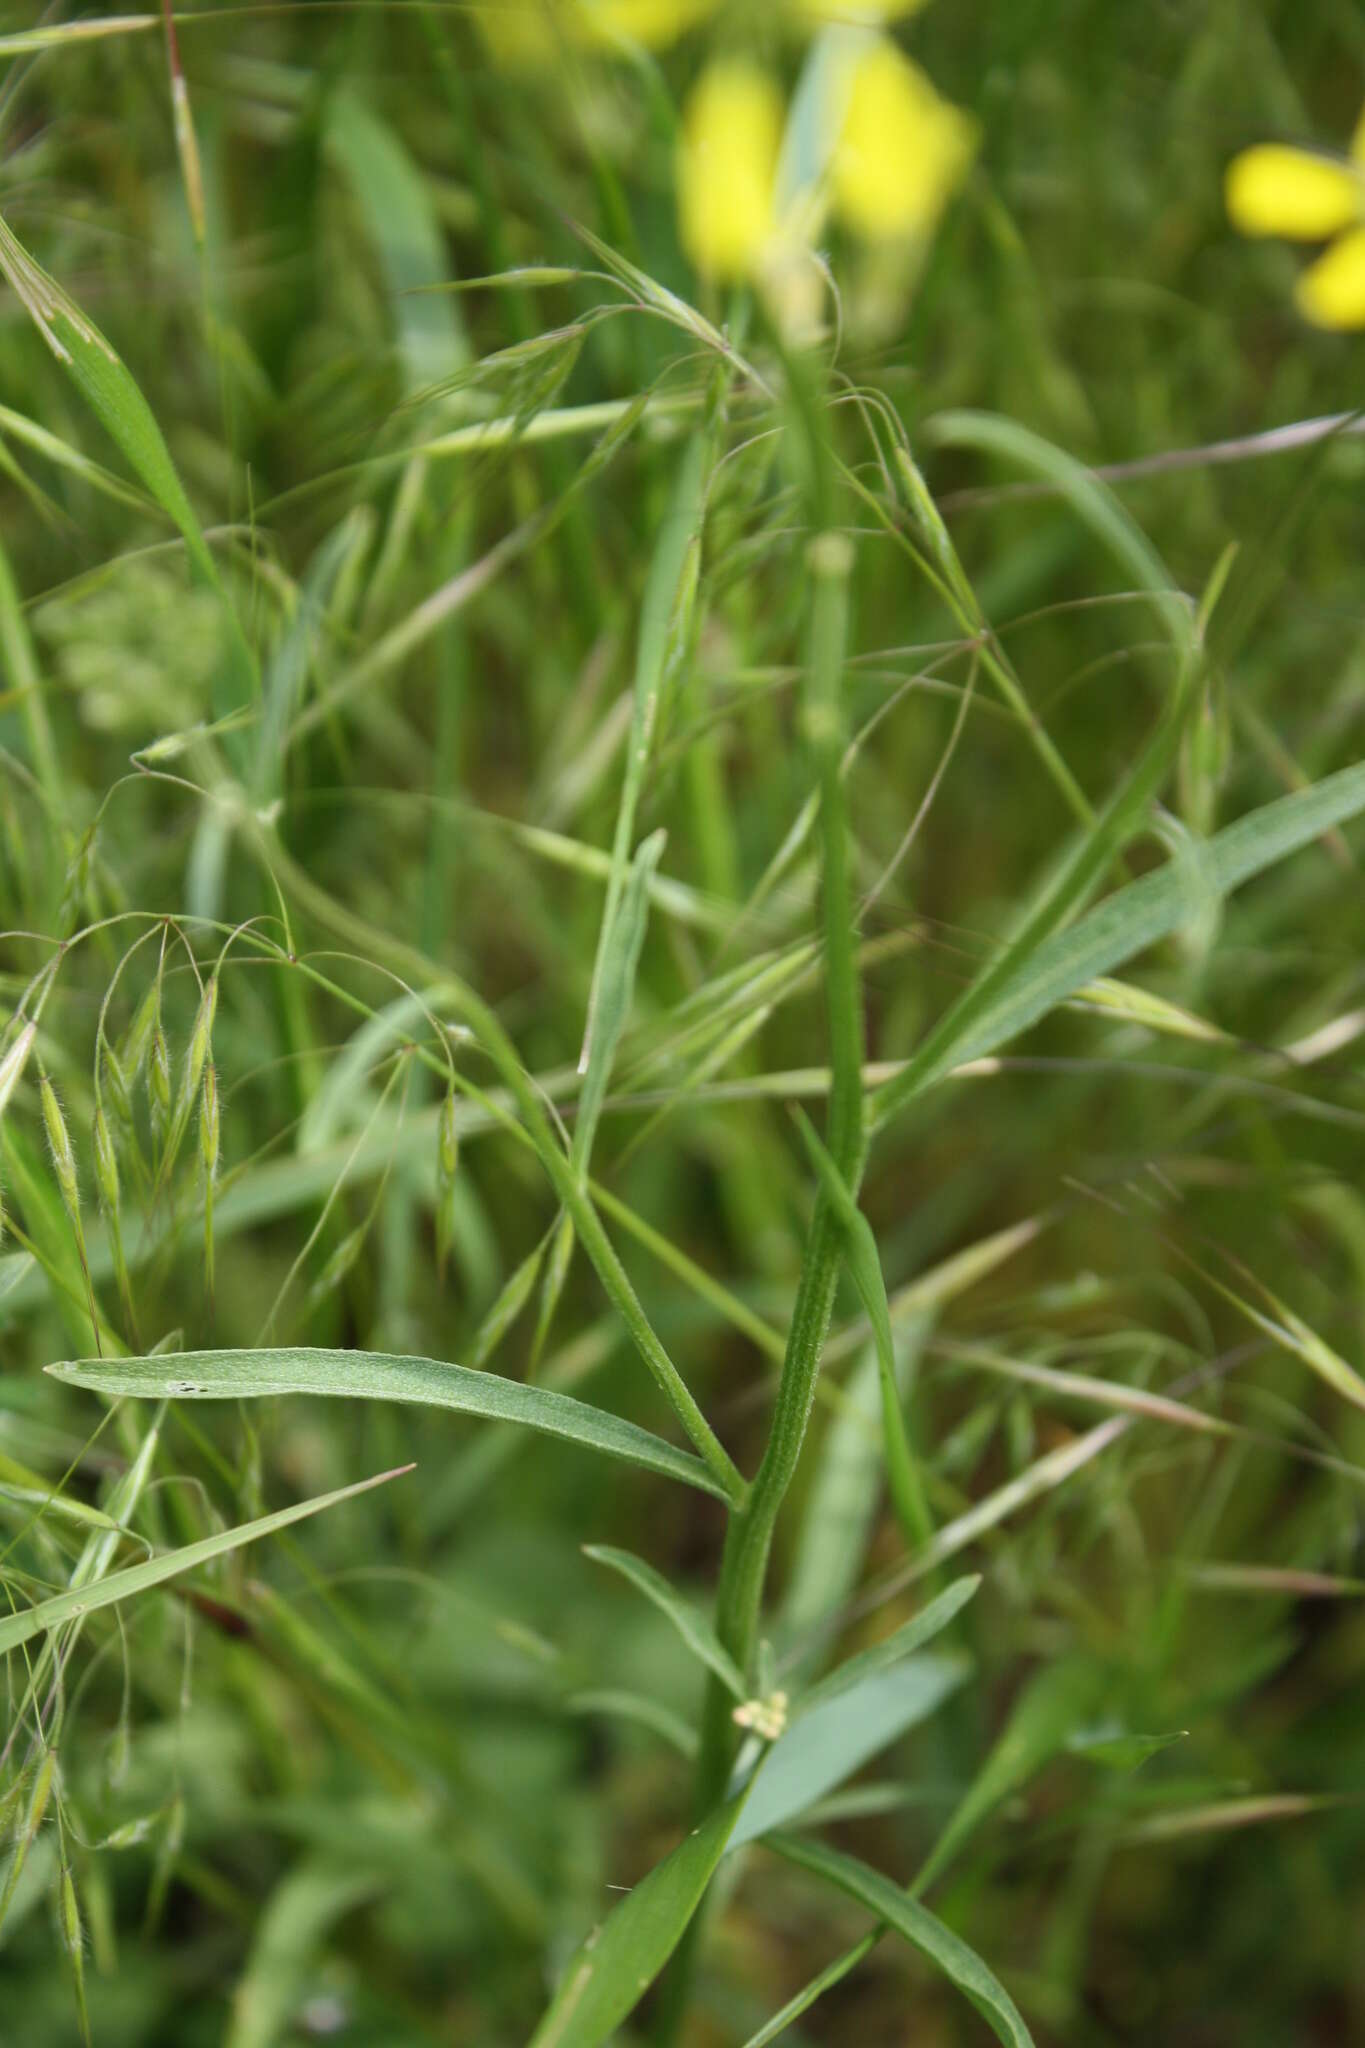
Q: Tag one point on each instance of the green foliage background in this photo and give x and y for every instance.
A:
(363, 1781)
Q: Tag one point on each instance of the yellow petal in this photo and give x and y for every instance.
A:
(864, 13)
(732, 132)
(655, 23)
(1331, 292)
(902, 150)
(1275, 190)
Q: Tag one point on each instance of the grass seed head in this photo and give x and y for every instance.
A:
(106, 1164)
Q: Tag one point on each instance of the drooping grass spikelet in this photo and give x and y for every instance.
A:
(208, 1152)
(63, 1153)
(159, 1086)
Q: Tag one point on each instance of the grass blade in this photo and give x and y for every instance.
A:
(1125, 924)
(155, 1571)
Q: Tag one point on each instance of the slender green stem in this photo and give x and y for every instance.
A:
(749, 1541)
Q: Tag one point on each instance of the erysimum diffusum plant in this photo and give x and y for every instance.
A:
(529, 965)
(1303, 195)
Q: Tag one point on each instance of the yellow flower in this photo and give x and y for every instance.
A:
(894, 155)
(727, 170)
(902, 150)
(1277, 190)
(655, 23)
(862, 13)
(536, 32)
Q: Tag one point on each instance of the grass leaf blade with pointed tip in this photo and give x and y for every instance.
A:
(155, 1571)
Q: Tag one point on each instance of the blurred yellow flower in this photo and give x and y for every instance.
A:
(727, 169)
(862, 13)
(902, 150)
(1274, 189)
(896, 152)
(535, 32)
(655, 23)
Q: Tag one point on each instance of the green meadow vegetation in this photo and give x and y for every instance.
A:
(682, 989)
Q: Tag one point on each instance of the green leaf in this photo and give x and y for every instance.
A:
(698, 1637)
(838, 1735)
(155, 1571)
(959, 1963)
(380, 1376)
(912, 1636)
(616, 1964)
(1125, 924)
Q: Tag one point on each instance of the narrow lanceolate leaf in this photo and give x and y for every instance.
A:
(839, 1734)
(616, 1965)
(697, 1635)
(155, 1571)
(1124, 925)
(380, 1376)
(959, 1963)
(912, 1636)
